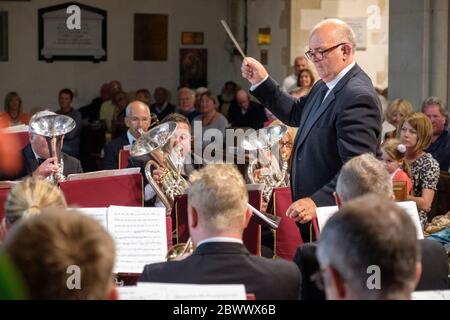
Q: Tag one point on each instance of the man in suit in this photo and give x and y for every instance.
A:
(246, 113)
(340, 118)
(369, 251)
(161, 107)
(217, 217)
(138, 120)
(36, 158)
(360, 176)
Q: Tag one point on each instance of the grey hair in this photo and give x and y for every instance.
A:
(361, 175)
(433, 100)
(190, 91)
(367, 233)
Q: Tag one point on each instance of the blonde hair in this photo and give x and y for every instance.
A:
(219, 194)
(392, 149)
(43, 248)
(402, 106)
(30, 196)
(424, 129)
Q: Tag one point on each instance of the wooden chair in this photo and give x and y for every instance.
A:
(124, 155)
(441, 201)
(400, 189)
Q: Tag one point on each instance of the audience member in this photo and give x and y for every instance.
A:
(13, 114)
(186, 103)
(393, 157)
(246, 113)
(304, 84)
(217, 218)
(415, 133)
(396, 111)
(91, 112)
(439, 148)
(161, 107)
(143, 95)
(290, 82)
(227, 97)
(107, 108)
(71, 139)
(118, 127)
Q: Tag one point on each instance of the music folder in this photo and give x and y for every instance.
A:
(266, 219)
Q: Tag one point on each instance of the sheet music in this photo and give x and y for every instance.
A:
(98, 214)
(431, 295)
(324, 213)
(411, 209)
(103, 173)
(140, 236)
(171, 291)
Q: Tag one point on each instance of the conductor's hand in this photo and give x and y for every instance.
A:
(46, 168)
(303, 210)
(253, 70)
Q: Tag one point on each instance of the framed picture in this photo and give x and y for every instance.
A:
(59, 42)
(3, 36)
(193, 67)
(151, 37)
(192, 38)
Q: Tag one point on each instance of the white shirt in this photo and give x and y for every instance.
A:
(289, 83)
(335, 81)
(220, 239)
(130, 137)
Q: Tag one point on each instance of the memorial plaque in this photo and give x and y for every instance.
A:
(58, 41)
(150, 37)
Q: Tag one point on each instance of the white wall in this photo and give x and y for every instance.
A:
(38, 82)
(374, 59)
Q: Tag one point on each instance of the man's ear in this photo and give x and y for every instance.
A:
(337, 283)
(337, 199)
(113, 294)
(247, 217)
(193, 217)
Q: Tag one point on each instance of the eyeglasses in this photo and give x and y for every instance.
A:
(319, 54)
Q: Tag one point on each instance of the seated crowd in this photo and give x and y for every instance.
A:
(39, 233)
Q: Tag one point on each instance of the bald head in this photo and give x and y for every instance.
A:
(242, 99)
(137, 118)
(331, 48)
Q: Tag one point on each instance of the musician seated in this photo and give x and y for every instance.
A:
(27, 198)
(217, 215)
(62, 255)
(368, 250)
(138, 120)
(36, 158)
(360, 176)
(180, 141)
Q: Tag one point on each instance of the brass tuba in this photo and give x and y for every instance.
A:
(156, 142)
(272, 174)
(53, 126)
(180, 251)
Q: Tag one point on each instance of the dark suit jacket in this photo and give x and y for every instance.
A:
(30, 164)
(230, 263)
(111, 151)
(170, 108)
(253, 118)
(347, 124)
(434, 268)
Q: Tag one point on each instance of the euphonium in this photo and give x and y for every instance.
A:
(180, 251)
(53, 126)
(156, 142)
(271, 173)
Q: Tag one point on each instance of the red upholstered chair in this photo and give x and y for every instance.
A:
(287, 236)
(252, 234)
(123, 158)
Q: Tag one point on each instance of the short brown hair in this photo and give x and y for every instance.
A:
(11, 95)
(44, 246)
(176, 117)
(424, 129)
(310, 73)
(30, 196)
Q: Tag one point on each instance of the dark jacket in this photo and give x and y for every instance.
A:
(230, 263)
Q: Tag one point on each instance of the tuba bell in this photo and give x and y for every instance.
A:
(271, 173)
(156, 142)
(180, 251)
(53, 127)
